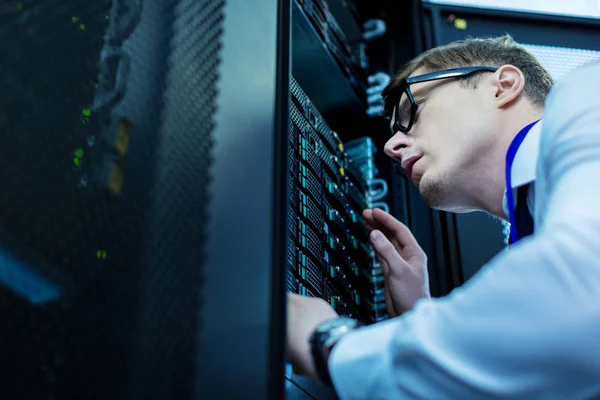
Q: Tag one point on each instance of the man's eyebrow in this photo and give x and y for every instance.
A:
(419, 92)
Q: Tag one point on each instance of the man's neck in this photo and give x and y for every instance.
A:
(491, 180)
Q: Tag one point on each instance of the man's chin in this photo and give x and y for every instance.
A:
(437, 199)
(432, 193)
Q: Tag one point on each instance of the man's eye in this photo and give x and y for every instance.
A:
(419, 106)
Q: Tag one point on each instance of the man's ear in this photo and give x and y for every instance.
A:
(508, 82)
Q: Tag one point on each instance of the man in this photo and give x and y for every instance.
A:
(528, 324)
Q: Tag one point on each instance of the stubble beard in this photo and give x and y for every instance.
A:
(432, 192)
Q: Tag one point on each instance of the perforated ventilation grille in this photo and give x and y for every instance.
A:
(560, 60)
(169, 324)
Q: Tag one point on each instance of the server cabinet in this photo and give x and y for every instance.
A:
(142, 227)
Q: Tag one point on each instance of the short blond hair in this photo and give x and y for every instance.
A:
(494, 52)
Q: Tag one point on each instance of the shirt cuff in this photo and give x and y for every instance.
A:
(360, 364)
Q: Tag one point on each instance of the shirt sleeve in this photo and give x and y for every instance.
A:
(527, 326)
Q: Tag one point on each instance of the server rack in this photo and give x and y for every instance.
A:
(329, 254)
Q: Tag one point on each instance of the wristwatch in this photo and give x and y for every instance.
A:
(324, 337)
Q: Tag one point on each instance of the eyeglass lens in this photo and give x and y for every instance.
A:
(403, 111)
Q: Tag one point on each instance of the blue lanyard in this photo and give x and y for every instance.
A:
(510, 157)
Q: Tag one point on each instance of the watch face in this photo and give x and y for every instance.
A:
(331, 324)
(330, 331)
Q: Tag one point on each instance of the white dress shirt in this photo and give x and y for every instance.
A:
(527, 326)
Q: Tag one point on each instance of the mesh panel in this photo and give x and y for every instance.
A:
(102, 203)
(560, 60)
(168, 326)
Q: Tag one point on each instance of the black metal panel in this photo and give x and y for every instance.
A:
(319, 75)
(347, 15)
(241, 350)
(529, 28)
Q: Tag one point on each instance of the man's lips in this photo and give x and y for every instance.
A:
(407, 165)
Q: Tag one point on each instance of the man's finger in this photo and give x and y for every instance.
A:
(371, 223)
(386, 290)
(395, 228)
(385, 268)
(368, 217)
(386, 250)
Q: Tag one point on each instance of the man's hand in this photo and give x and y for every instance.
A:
(403, 262)
(303, 316)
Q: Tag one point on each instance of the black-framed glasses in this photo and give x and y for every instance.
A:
(405, 111)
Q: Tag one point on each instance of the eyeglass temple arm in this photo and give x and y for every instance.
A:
(451, 73)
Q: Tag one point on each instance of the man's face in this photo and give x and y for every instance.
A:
(447, 139)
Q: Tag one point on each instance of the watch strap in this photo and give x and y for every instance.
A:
(325, 336)
(321, 365)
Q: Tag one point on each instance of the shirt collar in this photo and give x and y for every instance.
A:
(525, 163)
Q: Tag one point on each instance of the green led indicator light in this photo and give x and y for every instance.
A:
(87, 113)
(95, 86)
(107, 18)
(82, 27)
(101, 254)
(74, 20)
(78, 153)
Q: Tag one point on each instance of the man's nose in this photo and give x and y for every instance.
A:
(396, 146)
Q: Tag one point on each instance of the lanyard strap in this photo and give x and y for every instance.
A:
(510, 157)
